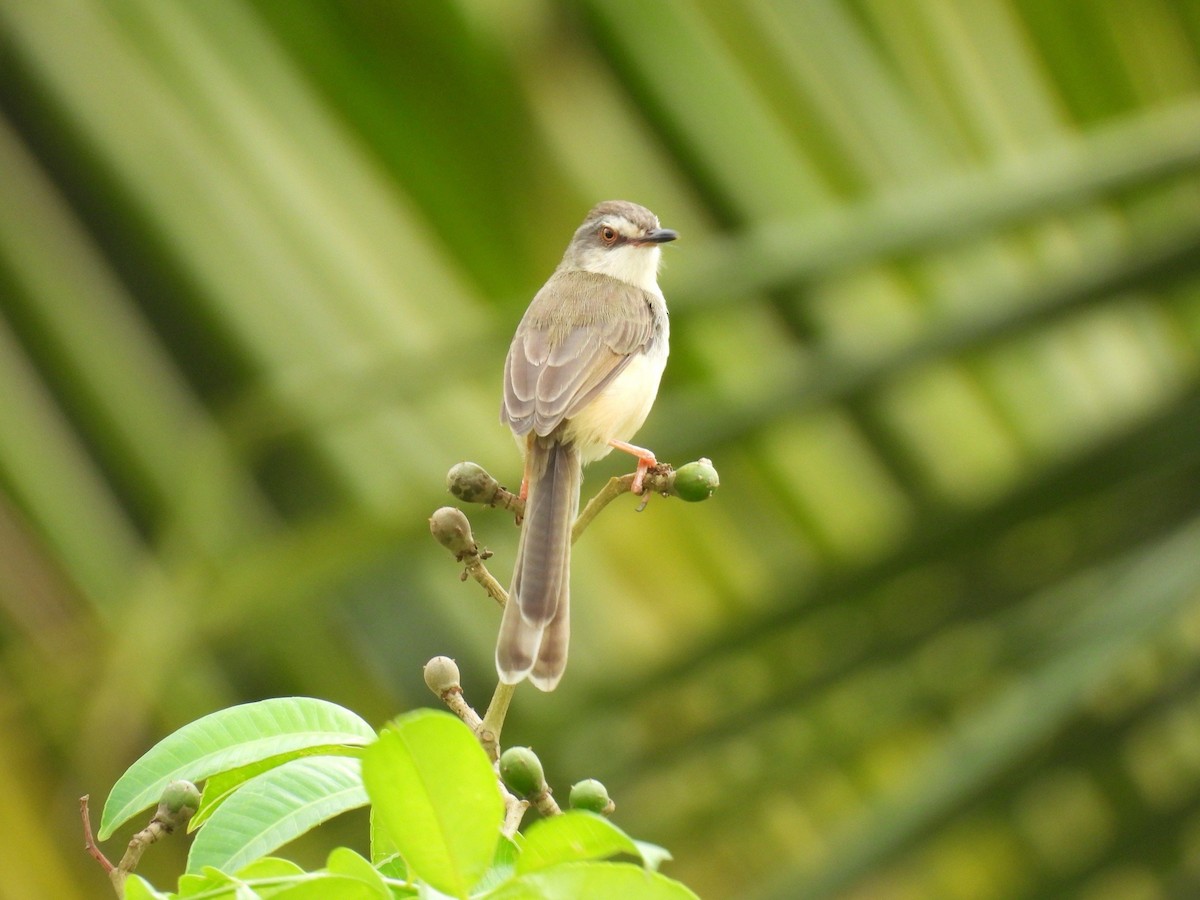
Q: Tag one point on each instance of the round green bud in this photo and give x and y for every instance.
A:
(471, 483)
(696, 481)
(591, 795)
(522, 772)
(180, 795)
(441, 675)
(452, 530)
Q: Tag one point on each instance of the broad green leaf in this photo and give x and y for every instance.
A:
(269, 867)
(653, 856)
(219, 787)
(226, 740)
(592, 881)
(137, 888)
(575, 835)
(393, 867)
(425, 892)
(344, 861)
(209, 883)
(435, 793)
(327, 886)
(504, 863)
(382, 845)
(213, 884)
(275, 807)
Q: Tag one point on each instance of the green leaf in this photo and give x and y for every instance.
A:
(212, 884)
(592, 881)
(383, 848)
(344, 861)
(576, 835)
(653, 856)
(211, 879)
(137, 888)
(327, 886)
(504, 864)
(276, 807)
(269, 867)
(393, 867)
(435, 793)
(226, 740)
(218, 788)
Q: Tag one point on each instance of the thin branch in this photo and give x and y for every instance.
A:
(477, 570)
(514, 811)
(546, 804)
(89, 841)
(493, 719)
(179, 802)
(471, 483)
(616, 486)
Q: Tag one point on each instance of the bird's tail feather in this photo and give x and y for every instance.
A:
(535, 628)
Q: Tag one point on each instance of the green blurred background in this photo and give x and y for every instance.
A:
(936, 319)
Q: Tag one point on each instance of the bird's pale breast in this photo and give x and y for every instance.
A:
(621, 408)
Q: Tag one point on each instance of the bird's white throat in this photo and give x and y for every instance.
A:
(635, 264)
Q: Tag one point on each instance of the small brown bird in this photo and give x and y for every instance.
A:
(580, 378)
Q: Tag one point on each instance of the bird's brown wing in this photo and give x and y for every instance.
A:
(564, 353)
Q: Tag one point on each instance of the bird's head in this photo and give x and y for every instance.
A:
(622, 240)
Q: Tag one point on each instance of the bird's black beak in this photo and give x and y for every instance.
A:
(657, 236)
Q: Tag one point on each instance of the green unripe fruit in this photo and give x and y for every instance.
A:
(696, 481)
(592, 796)
(522, 772)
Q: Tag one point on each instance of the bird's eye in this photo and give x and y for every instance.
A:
(608, 234)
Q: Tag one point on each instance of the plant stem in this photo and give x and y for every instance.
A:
(493, 719)
(617, 485)
(477, 570)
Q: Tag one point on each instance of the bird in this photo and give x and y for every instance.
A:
(580, 377)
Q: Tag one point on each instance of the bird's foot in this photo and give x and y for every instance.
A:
(646, 462)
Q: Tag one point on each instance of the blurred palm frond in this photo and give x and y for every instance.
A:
(936, 319)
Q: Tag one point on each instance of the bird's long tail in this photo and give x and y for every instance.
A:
(535, 628)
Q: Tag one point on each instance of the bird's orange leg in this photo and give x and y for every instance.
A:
(524, 494)
(645, 458)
